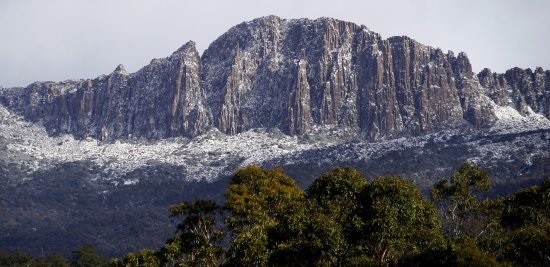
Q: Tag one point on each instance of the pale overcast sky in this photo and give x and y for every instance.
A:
(70, 39)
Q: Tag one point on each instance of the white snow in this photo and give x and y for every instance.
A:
(511, 121)
(204, 157)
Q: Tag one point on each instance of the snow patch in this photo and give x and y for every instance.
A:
(511, 121)
(203, 158)
(212, 154)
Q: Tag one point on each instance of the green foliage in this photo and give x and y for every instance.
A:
(335, 194)
(257, 196)
(343, 220)
(53, 260)
(337, 189)
(259, 201)
(525, 220)
(513, 229)
(463, 211)
(249, 248)
(86, 256)
(529, 246)
(19, 258)
(460, 251)
(335, 225)
(399, 222)
(16, 258)
(145, 257)
(320, 229)
(467, 253)
(530, 206)
(197, 240)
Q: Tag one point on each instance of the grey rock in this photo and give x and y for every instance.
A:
(523, 89)
(293, 75)
(163, 99)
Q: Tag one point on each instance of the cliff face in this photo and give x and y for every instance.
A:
(525, 90)
(299, 73)
(161, 100)
(288, 74)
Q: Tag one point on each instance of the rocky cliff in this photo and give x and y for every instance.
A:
(300, 73)
(163, 99)
(294, 75)
(526, 90)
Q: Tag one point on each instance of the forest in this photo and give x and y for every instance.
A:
(344, 219)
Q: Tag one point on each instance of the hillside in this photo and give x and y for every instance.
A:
(99, 160)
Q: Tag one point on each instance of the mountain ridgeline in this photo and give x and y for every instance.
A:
(294, 75)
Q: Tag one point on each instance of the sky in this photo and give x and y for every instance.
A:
(56, 40)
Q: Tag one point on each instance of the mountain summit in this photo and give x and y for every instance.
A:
(306, 95)
(294, 75)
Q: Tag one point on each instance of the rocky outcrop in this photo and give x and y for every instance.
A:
(294, 75)
(525, 90)
(163, 99)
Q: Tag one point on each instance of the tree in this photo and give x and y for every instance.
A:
(530, 206)
(399, 222)
(198, 239)
(259, 200)
(145, 257)
(335, 223)
(526, 222)
(465, 252)
(336, 193)
(529, 246)
(86, 256)
(461, 251)
(342, 220)
(463, 211)
(20, 258)
(53, 260)
(15, 258)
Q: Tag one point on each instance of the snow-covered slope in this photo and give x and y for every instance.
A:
(304, 94)
(56, 184)
(206, 157)
(511, 121)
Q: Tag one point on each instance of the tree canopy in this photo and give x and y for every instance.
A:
(399, 221)
(344, 219)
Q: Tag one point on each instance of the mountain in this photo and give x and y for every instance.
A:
(99, 160)
(161, 100)
(293, 75)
